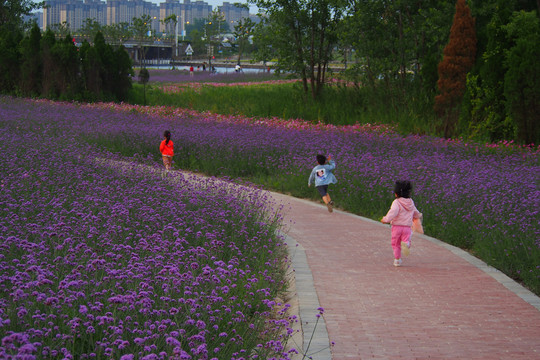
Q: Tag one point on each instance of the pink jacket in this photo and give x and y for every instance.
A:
(402, 212)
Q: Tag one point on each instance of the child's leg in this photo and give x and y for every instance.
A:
(323, 191)
(166, 162)
(407, 235)
(396, 241)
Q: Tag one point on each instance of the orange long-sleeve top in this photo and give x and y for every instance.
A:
(167, 149)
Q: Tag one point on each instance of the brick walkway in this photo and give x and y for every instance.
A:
(441, 304)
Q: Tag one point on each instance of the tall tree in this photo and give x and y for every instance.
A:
(212, 33)
(521, 82)
(12, 12)
(49, 86)
(484, 116)
(458, 59)
(304, 35)
(397, 40)
(117, 33)
(11, 26)
(242, 31)
(140, 27)
(123, 71)
(170, 24)
(9, 60)
(66, 65)
(90, 28)
(31, 66)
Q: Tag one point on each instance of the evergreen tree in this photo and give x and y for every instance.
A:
(66, 65)
(106, 65)
(49, 86)
(458, 59)
(486, 118)
(123, 71)
(521, 82)
(91, 65)
(144, 76)
(106, 72)
(31, 66)
(9, 60)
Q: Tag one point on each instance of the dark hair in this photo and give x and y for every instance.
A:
(321, 159)
(167, 135)
(403, 188)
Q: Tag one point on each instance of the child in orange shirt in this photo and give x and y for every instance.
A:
(167, 149)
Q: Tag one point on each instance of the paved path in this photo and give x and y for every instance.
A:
(441, 304)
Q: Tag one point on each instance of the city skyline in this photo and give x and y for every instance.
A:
(108, 12)
(214, 3)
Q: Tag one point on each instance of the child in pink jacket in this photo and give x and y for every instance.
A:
(401, 216)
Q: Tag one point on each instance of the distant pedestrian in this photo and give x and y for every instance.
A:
(167, 149)
(191, 71)
(402, 215)
(323, 176)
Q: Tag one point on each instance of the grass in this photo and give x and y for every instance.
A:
(338, 104)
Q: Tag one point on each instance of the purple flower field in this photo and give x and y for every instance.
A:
(481, 197)
(102, 258)
(92, 249)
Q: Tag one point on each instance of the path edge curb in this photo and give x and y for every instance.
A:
(313, 330)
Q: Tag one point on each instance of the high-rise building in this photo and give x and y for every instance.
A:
(119, 11)
(76, 12)
(233, 14)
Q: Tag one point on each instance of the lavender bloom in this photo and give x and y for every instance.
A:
(104, 244)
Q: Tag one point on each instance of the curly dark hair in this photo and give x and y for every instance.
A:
(403, 188)
(321, 159)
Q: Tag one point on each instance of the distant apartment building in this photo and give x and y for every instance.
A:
(185, 13)
(233, 14)
(75, 12)
(119, 11)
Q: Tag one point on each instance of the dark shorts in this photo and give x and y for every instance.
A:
(323, 190)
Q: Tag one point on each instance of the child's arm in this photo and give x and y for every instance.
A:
(417, 214)
(311, 177)
(331, 164)
(392, 213)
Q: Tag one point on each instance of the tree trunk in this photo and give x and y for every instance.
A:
(298, 42)
(312, 60)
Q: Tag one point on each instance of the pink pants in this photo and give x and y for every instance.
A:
(399, 233)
